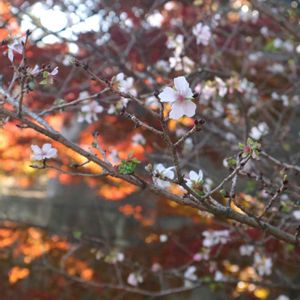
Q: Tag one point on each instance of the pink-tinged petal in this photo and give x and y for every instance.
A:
(188, 93)
(189, 108)
(159, 168)
(167, 95)
(177, 110)
(10, 54)
(181, 84)
(99, 109)
(193, 176)
(80, 118)
(88, 118)
(36, 149)
(46, 147)
(38, 157)
(52, 153)
(94, 117)
(169, 173)
(85, 108)
(54, 71)
(200, 175)
(120, 77)
(18, 48)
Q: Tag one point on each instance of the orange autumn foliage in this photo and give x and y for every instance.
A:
(17, 273)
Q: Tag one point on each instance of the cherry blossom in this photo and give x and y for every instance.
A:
(134, 279)
(202, 33)
(138, 139)
(180, 63)
(195, 179)
(176, 43)
(34, 71)
(212, 238)
(201, 256)
(263, 264)
(246, 250)
(89, 112)
(163, 238)
(54, 71)
(296, 214)
(16, 46)
(221, 85)
(180, 98)
(156, 267)
(163, 66)
(190, 276)
(159, 171)
(123, 84)
(282, 297)
(260, 130)
(46, 152)
(219, 276)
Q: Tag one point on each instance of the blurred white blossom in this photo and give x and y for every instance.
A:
(46, 152)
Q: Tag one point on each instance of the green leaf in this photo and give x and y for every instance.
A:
(77, 234)
(128, 166)
(45, 74)
(290, 247)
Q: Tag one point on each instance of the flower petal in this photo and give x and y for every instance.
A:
(181, 84)
(193, 176)
(46, 147)
(10, 55)
(167, 95)
(36, 149)
(51, 153)
(189, 108)
(177, 111)
(200, 175)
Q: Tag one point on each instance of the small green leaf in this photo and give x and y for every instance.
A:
(290, 247)
(77, 234)
(128, 166)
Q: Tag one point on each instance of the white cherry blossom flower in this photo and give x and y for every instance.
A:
(202, 33)
(34, 71)
(134, 279)
(207, 92)
(159, 171)
(190, 276)
(180, 63)
(262, 264)
(221, 85)
(163, 238)
(138, 139)
(16, 46)
(296, 214)
(54, 71)
(219, 276)
(156, 267)
(89, 112)
(260, 130)
(46, 152)
(282, 297)
(123, 84)
(180, 98)
(246, 250)
(176, 43)
(163, 66)
(194, 179)
(212, 238)
(201, 256)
